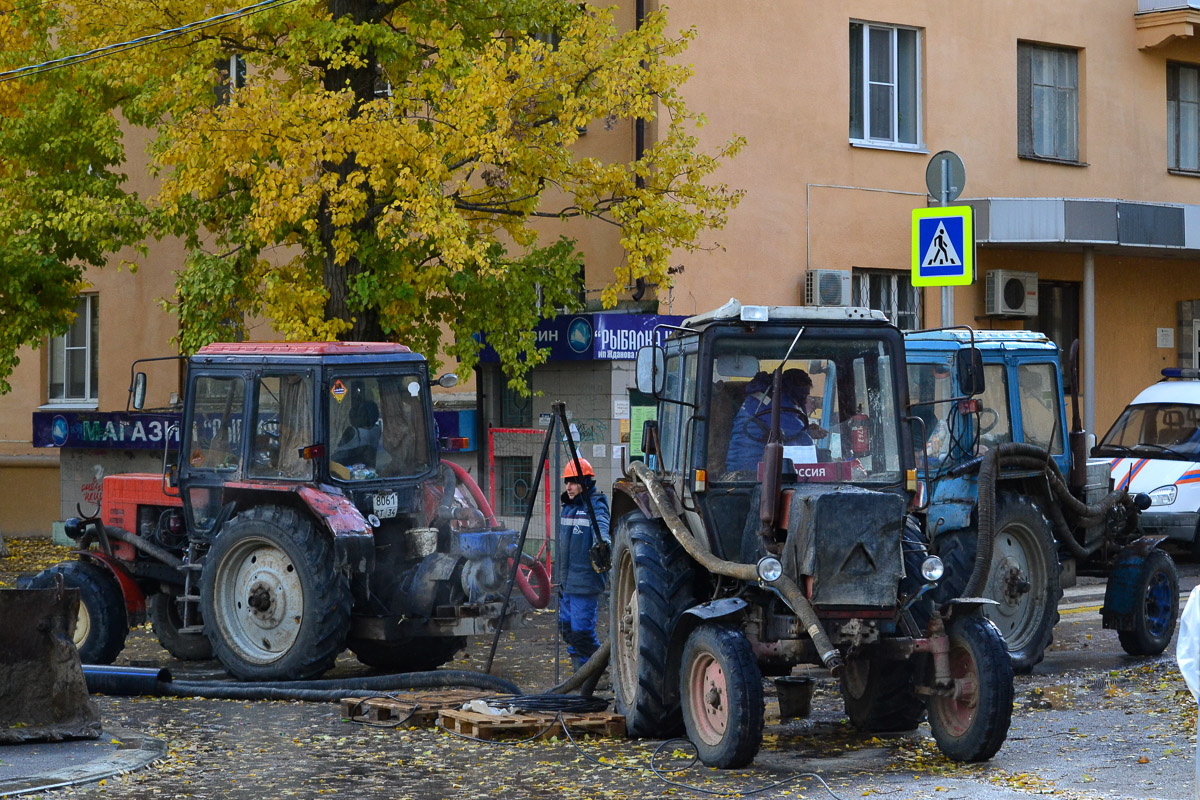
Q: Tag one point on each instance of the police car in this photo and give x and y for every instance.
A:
(1154, 447)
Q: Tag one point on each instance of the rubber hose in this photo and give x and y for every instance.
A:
(149, 548)
(746, 572)
(987, 525)
(317, 691)
(593, 667)
(466, 480)
(1062, 532)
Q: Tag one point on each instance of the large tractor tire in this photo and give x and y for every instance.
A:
(274, 608)
(102, 624)
(415, 655)
(1024, 578)
(652, 585)
(721, 693)
(165, 619)
(972, 722)
(1156, 607)
(880, 696)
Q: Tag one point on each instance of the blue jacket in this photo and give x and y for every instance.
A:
(748, 436)
(575, 570)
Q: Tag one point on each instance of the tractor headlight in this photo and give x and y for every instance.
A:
(1164, 495)
(770, 569)
(932, 569)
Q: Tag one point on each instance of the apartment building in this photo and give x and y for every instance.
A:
(1078, 122)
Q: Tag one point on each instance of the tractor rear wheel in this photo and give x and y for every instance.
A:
(971, 722)
(165, 619)
(102, 624)
(274, 607)
(880, 696)
(722, 696)
(652, 585)
(413, 655)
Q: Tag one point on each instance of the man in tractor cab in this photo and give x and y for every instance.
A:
(752, 424)
(581, 584)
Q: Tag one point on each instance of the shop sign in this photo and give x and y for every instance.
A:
(105, 429)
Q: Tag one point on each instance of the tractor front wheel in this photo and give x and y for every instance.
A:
(1156, 606)
(722, 696)
(971, 720)
(274, 607)
(102, 623)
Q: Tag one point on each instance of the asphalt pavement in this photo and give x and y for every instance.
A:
(1079, 650)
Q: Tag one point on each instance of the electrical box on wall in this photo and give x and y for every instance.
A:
(827, 287)
(1011, 294)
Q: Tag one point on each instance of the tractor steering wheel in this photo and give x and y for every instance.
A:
(762, 417)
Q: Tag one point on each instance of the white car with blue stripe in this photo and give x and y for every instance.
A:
(1154, 447)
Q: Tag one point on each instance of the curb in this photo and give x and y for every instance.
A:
(131, 751)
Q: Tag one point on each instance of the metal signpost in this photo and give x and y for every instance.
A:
(943, 241)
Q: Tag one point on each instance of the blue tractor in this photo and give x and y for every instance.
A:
(1004, 477)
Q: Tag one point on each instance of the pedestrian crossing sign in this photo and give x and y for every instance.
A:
(943, 246)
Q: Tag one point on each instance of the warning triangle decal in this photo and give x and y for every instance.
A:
(941, 252)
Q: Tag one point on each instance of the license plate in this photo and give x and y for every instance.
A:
(386, 505)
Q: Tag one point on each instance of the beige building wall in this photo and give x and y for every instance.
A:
(779, 75)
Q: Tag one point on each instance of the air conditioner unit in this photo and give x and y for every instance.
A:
(1011, 294)
(827, 287)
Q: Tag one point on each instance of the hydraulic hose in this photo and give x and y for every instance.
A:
(133, 682)
(149, 548)
(466, 480)
(589, 673)
(786, 587)
(1027, 456)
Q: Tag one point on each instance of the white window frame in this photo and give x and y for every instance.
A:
(897, 281)
(894, 142)
(88, 308)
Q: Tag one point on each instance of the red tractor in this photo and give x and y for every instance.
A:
(309, 512)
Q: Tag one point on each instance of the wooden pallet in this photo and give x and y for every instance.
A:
(486, 726)
(429, 704)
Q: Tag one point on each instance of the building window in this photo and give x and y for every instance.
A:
(74, 356)
(516, 410)
(231, 74)
(1058, 318)
(885, 85)
(1183, 117)
(1048, 102)
(889, 292)
(516, 484)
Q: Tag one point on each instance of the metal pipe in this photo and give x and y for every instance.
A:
(1088, 313)
(786, 587)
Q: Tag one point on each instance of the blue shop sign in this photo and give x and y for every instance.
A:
(593, 337)
(115, 430)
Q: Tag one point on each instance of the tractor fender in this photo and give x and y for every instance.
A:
(135, 598)
(353, 537)
(629, 495)
(952, 504)
(1121, 598)
(728, 609)
(965, 607)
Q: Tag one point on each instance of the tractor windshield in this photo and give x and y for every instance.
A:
(838, 408)
(377, 427)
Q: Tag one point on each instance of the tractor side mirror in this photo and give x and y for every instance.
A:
(138, 390)
(651, 372)
(970, 372)
(448, 380)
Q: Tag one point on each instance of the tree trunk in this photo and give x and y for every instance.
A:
(360, 80)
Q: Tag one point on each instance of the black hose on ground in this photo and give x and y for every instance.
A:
(586, 677)
(133, 682)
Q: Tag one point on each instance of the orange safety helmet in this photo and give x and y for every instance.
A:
(570, 472)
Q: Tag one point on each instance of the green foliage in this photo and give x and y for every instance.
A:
(390, 171)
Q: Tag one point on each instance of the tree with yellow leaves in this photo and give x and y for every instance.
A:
(375, 170)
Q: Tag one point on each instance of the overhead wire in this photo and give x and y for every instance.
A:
(142, 41)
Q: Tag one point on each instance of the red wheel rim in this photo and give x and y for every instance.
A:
(958, 711)
(708, 699)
